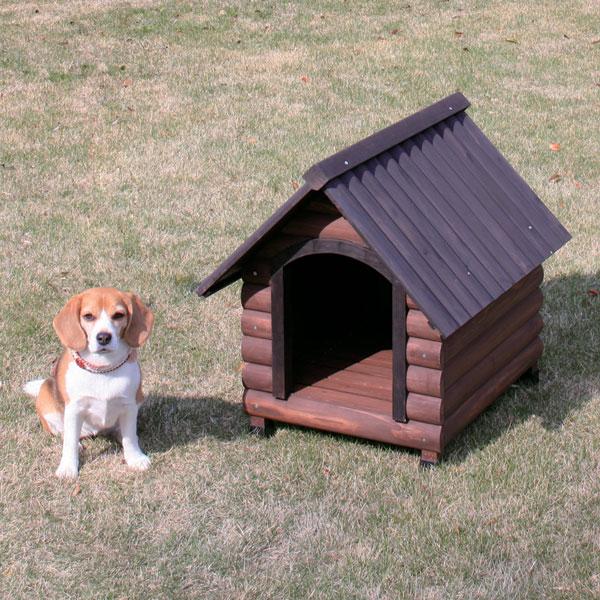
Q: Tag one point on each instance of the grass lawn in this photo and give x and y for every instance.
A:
(140, 143)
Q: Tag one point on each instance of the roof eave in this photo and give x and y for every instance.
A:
(229, 270)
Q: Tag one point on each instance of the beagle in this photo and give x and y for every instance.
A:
(95, 385)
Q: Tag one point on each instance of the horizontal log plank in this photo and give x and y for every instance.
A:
(418, 326)
(256, 297)
(427, 409)
(411, 303)
(491, 389)
(278, 243)
(491, 364)
(257, 377)
(322, 226)
(257, 350)
(456, 366)
(256, 323)
(424, 353)
(491, 313)
(422, 380)
(418, 406)
(341, 419)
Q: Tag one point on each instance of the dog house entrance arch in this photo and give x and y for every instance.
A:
(284, 296)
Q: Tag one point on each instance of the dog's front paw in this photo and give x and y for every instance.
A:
(138, 461)
(67, 470)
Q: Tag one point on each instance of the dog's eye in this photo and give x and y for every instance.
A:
(117, 316)
(88, 317)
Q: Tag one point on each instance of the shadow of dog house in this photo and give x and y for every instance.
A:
(396, 294)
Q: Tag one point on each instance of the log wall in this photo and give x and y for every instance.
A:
(449, 382)
(365, 386)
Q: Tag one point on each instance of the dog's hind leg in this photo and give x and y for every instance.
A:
(49, 409)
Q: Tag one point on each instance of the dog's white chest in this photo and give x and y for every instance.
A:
(100, 398)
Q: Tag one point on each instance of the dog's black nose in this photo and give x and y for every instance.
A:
(104, 338)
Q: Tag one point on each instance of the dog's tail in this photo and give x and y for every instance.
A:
(32, 388)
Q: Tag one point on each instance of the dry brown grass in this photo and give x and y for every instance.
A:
(140, 143)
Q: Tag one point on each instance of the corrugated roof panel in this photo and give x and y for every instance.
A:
(502, 206)
(443, 203)
(230, 269)
(421, 246)
(466, 224)
(551, 230)
(359, 210)
(445, 220)
(412, 214)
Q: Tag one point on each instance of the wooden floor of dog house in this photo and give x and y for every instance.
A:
(360, 380)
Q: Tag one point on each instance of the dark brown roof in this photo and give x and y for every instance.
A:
(447, 214)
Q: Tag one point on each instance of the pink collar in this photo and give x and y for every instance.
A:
(88, 366)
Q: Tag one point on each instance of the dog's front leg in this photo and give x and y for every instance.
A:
(69, 462)
(134, 457)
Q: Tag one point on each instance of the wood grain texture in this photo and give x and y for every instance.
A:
(491, 364)
(256, 323)
(418, 326)
(419, 380)
(323, 226)
(418, 406)
(490, 338)
(424, 353)
(489, 315)
(256, 297)
(427, 409)
(491, 389)
(422, 380)
(257, 350)
(342, 419)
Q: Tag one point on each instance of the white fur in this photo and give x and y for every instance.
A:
(98, 403)
(32, 388)
(55, 422)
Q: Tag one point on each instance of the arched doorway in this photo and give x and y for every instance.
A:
(338, 326)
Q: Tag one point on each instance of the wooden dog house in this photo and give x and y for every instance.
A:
(396, 294)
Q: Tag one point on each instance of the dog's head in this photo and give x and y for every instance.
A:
(101, 320)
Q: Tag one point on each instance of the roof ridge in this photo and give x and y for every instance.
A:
(335, 165)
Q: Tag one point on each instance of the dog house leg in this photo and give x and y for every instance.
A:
(429, 459)
(532, 375)
(261, 426)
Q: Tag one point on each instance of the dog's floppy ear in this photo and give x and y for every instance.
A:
(67, 326)
(140, 323)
